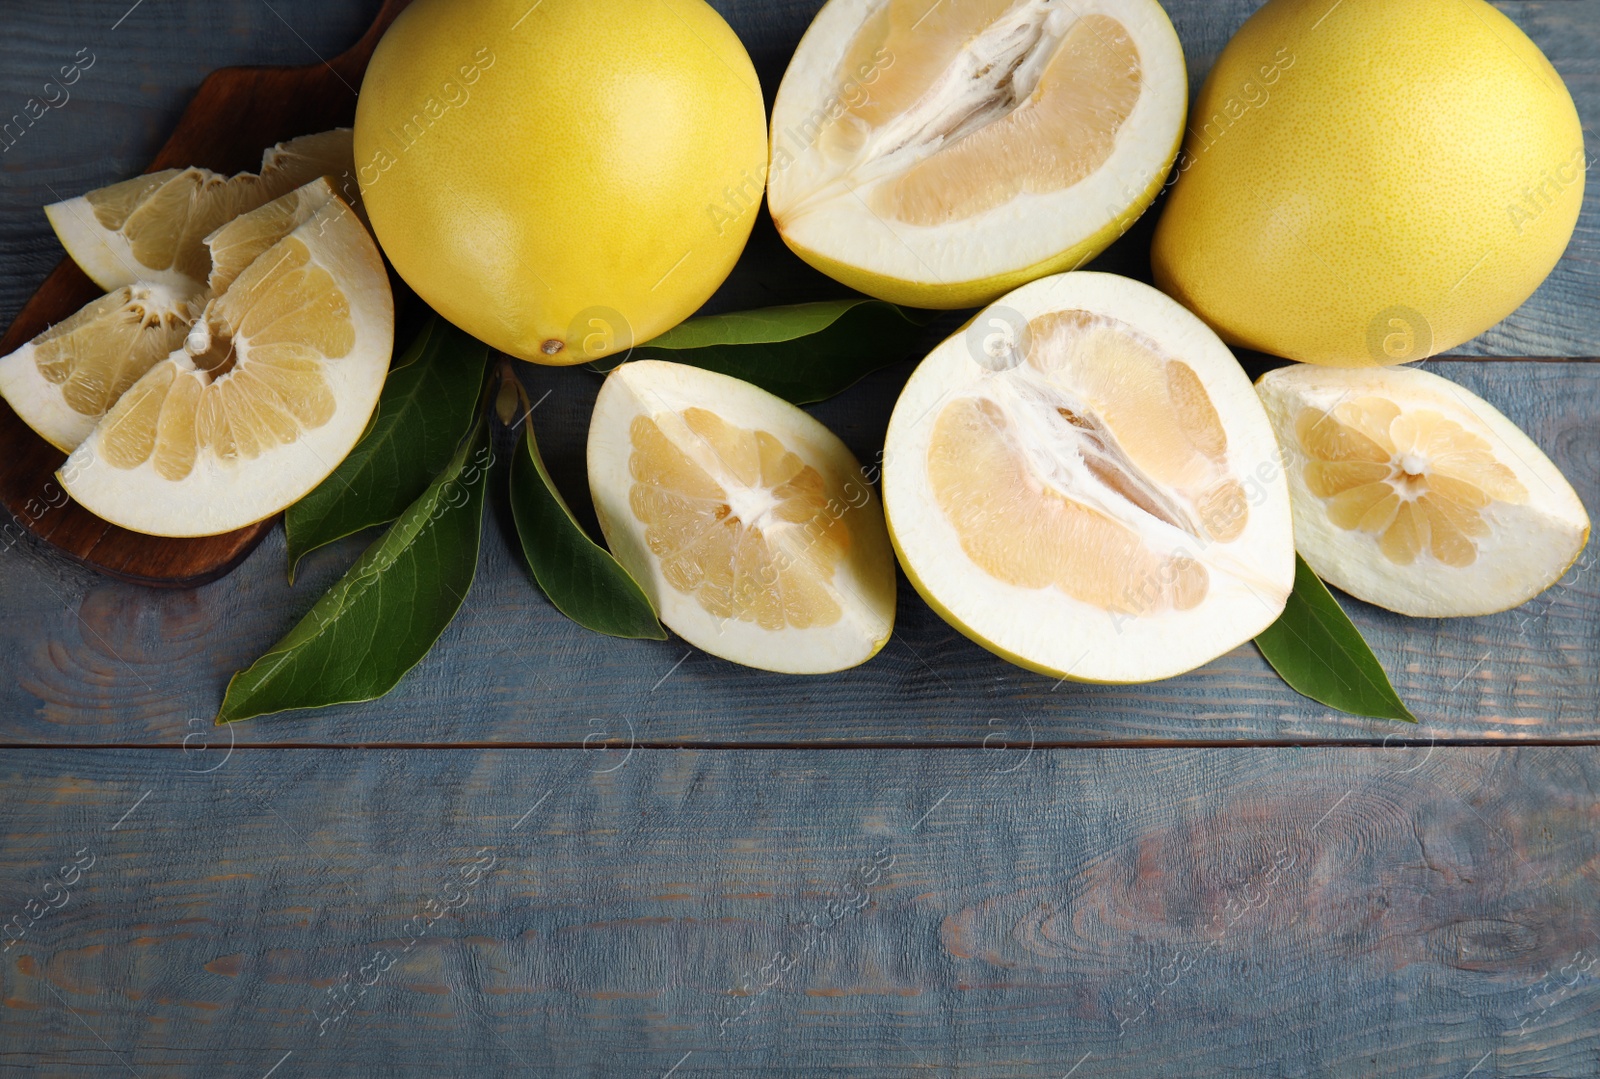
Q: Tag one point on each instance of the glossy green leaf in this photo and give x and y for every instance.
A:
(804, 352)
(580, 577)
(373, 626)
(428, 403)
(1321, 654)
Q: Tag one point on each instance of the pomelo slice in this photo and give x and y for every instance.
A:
(1083, 482)
(234, 246)
(272, 387)
(62, 382)
(1413, 493)
(152, 228)
(937, 153)
(746, 521)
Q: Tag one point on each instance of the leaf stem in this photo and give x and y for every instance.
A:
(511, 404)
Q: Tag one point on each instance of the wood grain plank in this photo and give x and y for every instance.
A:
(84, 659)
(1325, 912)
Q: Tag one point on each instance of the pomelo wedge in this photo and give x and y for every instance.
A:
(937, 154)
(273, 386)
(235, 245)
(1083, 482)
(62, 382)
(1413, 493)
(747, 522)
(152, 229)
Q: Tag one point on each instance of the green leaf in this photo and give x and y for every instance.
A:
(1321, 654)
(428, 403)
(579, 576)
(804, 352)
(381, 618)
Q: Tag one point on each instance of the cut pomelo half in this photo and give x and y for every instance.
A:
(746, 521)
(62, 382)
(152, 228)
(1413, 493)
(937, 154)
(1083, 482)
(273, 386)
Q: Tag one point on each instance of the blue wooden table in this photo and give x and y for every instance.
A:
(553, 853)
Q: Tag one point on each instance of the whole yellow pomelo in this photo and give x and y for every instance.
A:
(1370, 181)
(562, 178)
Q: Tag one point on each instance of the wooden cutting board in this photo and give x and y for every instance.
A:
(237, 113)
